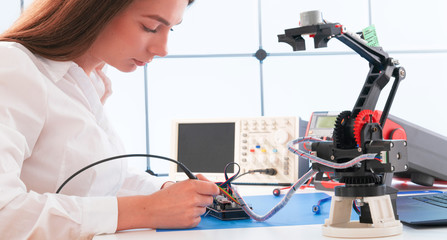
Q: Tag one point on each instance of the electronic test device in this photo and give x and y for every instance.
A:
(256, 144)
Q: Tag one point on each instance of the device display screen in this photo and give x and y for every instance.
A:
(206, 147)
(325, 122)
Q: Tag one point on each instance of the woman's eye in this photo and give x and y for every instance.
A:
(149, 29)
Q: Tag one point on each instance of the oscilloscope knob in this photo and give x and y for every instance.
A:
(281, 136)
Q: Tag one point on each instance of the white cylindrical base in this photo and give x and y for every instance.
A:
(361, 230)
(382, 215)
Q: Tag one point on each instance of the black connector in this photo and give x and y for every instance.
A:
(271, 171)
(267, 171)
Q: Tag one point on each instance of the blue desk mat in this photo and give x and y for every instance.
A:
(298, 211)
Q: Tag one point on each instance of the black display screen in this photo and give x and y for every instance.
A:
(206, 147)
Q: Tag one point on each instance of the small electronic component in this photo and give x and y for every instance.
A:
(316, 209)
(277, 191)
(224, 208)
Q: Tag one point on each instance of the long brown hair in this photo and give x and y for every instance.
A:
(63, 29)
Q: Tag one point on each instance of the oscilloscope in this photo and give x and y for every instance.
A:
(206, 146)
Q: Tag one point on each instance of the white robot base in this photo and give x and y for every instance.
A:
(383, 221)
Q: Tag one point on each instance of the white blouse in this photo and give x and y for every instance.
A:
(51, 125)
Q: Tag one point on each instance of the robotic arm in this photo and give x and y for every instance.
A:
(382, 67)
(358, 132)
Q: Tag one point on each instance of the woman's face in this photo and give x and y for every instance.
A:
(138, 33)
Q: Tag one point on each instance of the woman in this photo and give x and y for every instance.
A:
(52, 122)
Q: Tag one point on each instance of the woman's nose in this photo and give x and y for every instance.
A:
(159, 45)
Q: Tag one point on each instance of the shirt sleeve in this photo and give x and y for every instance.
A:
(140, 183)
(26, 214)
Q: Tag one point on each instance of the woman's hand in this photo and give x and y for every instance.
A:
(179, 205)
(106, 81)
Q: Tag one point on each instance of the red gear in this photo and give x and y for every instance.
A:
(363, 118)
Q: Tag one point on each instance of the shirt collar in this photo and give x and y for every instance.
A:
(53, 70)
(56, 70)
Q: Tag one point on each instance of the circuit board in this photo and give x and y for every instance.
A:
(226, 209)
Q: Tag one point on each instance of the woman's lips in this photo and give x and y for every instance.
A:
(139, 63)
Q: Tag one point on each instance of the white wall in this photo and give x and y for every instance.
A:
(211, 71)
(411, 31)
(9, 11)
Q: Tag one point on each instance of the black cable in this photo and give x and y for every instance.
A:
(267, 171)
(182, 166)
(228, 181)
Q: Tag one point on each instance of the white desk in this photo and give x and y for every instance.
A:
(308, 232)
(268, 233)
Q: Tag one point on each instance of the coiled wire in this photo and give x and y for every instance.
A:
(302, 180)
